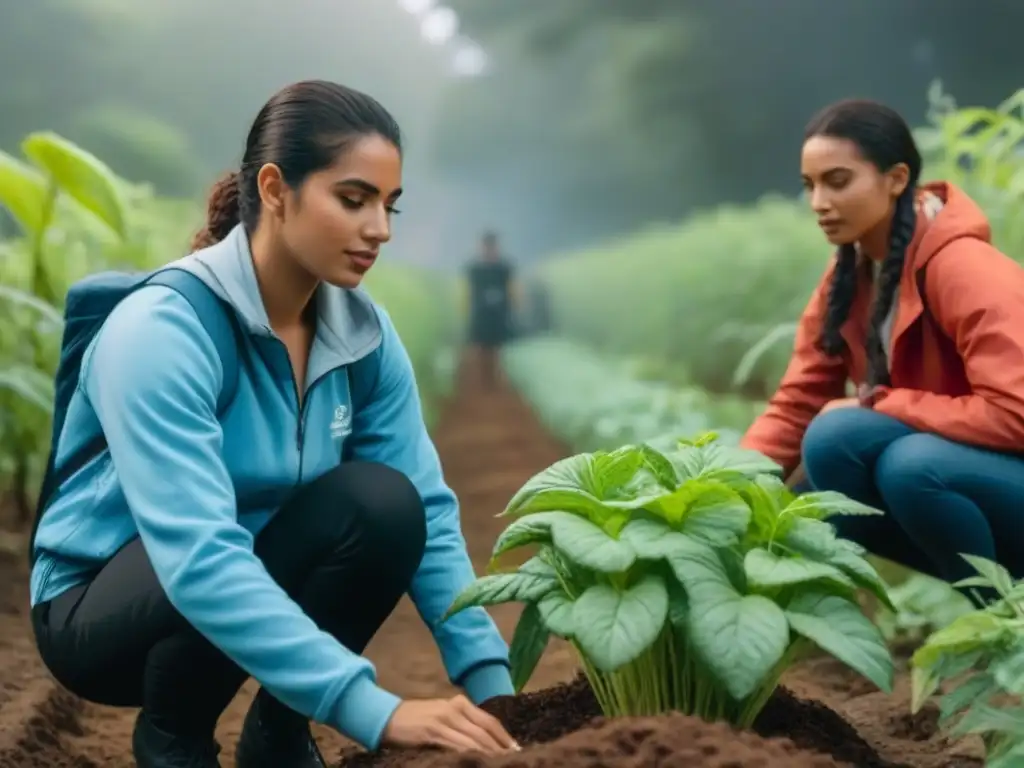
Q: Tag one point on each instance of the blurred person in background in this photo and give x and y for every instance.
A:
(926, 318)
(491, 282)
(198, 550)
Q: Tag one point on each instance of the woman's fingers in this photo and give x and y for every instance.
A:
(491, 725)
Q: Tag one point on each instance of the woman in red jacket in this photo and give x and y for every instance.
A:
(926, 317)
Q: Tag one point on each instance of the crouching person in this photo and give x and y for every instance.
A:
(927, 317)
(245, 484)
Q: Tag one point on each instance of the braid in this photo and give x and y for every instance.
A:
(222, 212)
(889, 275)
(840, 298)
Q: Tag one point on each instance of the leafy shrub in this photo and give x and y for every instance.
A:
(921, 605)
(595, 401)
(980, 655)
(686, 578)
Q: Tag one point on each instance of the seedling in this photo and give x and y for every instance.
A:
(981, 656)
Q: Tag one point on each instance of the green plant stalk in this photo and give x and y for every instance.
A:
(751, 707)
(668, 676)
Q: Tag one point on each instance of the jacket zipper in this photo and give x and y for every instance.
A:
(300, 406)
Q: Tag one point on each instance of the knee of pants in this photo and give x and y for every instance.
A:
(830, 443)
(380, 508)
(910, 467)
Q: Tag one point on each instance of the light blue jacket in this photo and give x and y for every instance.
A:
(197, 490)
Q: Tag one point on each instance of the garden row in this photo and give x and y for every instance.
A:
(69, 216)
(687, 577)
(693, 298)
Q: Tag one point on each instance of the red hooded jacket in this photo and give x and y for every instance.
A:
(957, 354)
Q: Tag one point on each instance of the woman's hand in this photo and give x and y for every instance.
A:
(454, 724)
(841, 402)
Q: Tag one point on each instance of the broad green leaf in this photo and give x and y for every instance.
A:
(767, 570)
(839, 628)
(611, 471)
(23, 193)
(556, 610)
(660, 467)
(568, 485)
(53, 317)
(527, 646)
(977, 688)
(532, 529)
(678, 607)
(80, 175)
(585, 544)
(765, 508)
(687, 461)
(718, 515)
(1008, 671)
(863, 574)
(740, 638)
(812, 538)
(924, 681)
(574, 537)
(969, 632)
(520, 586)
(613, 628)
(653, 539)
(31, 385)
(820, 505)
(1011, 758)
(985, 718)
(995, 574)
(705, 508)
(745, 461)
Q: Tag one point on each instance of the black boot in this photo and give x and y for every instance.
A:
(274, 736)
(156, 748)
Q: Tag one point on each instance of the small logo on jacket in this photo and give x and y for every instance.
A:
(341, 424)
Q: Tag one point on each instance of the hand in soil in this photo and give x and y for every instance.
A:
(454, 724)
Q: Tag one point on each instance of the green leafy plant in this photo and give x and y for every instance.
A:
(979, 656)
(922, 605)
(597, 402)
(687, 577)
(62, 195)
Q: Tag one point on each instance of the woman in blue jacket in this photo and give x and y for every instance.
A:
(200, 549)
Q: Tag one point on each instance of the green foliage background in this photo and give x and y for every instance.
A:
(693, 298)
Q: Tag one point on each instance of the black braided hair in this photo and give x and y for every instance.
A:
(883, 138)
(841, 292)
(904, 220)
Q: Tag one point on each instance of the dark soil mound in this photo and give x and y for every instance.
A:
(561, 726)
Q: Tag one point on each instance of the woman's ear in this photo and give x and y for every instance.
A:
(899, 178)
(272, 189)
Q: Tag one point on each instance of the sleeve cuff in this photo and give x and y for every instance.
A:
(364, 712)
(487, 681)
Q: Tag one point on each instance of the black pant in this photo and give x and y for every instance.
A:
(344, 547)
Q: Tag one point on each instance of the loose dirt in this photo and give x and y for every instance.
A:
(490, 444)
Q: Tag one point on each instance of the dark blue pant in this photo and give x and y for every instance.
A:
(941, 498)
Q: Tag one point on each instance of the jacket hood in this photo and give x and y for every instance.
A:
(347, 322)
(948, 214)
